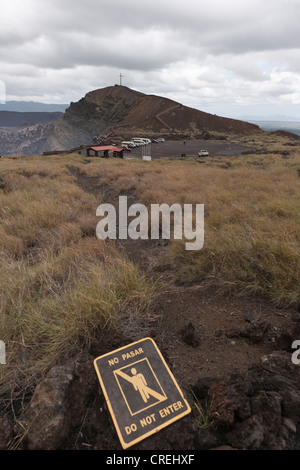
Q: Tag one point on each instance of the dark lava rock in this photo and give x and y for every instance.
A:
(206, 439)
(6, 431)
(295, 317)
(251, 316)
(259, 408)
(59, 403)
(189, 336)
(254, 331)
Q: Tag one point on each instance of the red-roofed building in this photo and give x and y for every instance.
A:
(96, 151)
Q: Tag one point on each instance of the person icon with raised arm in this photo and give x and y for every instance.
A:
(140, 384)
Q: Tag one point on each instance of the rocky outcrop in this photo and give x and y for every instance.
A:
(58, 404)
(261, 408)
(35, 139)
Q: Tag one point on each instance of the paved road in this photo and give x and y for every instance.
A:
(171, 148)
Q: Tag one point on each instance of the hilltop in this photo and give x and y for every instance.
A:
(117, 111)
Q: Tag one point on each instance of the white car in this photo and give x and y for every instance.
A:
(141, 141)
(128, 144)
(203, 153)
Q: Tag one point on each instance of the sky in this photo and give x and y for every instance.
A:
(233, 58)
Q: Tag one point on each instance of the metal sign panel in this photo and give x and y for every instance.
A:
(141, 392)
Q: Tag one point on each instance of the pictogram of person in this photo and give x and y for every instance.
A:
(140, 384)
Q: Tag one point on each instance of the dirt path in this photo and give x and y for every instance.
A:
(200, 333)
(161, 121)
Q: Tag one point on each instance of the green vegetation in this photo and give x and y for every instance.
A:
(205, 416)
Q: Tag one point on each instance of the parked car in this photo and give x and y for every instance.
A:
(128, 144)
(203, 153)
(161, 139)
(141, 141)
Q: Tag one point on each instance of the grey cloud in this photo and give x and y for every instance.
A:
(150, 50)
(70, 33)
(195, 48)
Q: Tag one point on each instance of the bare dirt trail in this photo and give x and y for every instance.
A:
(163, 122)
(200, 333)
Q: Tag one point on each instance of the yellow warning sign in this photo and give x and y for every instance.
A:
(140, 390)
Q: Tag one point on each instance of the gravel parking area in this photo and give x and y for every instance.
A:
(172, 148)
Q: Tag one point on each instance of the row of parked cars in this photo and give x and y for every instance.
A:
(138, 141)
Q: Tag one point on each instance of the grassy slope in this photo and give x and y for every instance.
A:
(252, 217)
(60, 284)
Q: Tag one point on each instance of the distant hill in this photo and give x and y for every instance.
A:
(32, 107)
(118, 112)
(289, 126)
(16, 119)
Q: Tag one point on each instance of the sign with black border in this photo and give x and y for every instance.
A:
(141, 392)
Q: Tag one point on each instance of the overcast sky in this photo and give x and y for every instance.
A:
(233, 58)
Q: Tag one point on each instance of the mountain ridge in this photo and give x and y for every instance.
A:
(118, 112)
(18, 118)
(122, 106)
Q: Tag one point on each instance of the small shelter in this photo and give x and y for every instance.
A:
(104, 151)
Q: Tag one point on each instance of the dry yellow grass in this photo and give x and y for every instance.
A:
(252, 215)
(60, 284)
